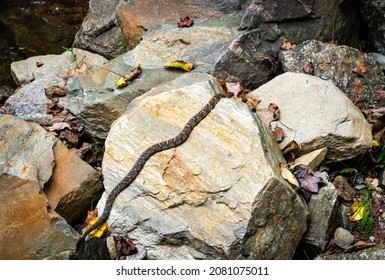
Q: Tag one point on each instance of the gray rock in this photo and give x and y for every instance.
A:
(345, 190)
(343, 217)
(99, 32)
(343, 238)
(323, 20)
(324, 212)
(30, 102)
(25, 71)
(330, 63)
(96, 101)
(380, 58)
(316, 114)
(373, 12)
(373, 253)
(251, 58)
(209, 198)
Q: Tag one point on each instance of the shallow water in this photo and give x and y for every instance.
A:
(29, 28)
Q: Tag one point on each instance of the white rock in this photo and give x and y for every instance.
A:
(316, 114)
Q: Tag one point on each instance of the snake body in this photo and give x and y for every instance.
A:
(137, 167)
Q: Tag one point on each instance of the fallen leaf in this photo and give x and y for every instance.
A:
(180, 64)
(90, 215)
(266, 116)
(357, 211)
(185, 22)
(287, 45)
(275, 109)
(292, 146)
(307, 178)
(39, 64)
(100, 230)
(59, 126)
(308, 68)
(279, 134)
(123, 81)
(252, 102)
(55, 91)
(234, 88)
(360, 70)
(288, 176)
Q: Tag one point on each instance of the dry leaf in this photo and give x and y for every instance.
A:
(360, 70)
(307, 178)
(90, 215)
(39, 64)
(357, 211)
(59, 126)
(124, 81)
(288, 176)
(308, 68)
(100, 230)
(279, 134)
(185, 22)
(234, 88)
(180, 64)
(287, 45)
(266, 116)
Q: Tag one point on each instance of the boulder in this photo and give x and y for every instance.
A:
(323, 20)
(39, 178)
(30, 101)
(99, 32)
(74, 186)
(373, 12)
(322, 223)
(355, 73)
(25, 71)
(219, 195)
(316, 114)
(28, 229)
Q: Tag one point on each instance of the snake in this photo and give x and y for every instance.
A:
(142, 159)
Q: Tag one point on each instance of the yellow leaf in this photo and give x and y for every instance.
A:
(288, 176)
(180, 64)
(121, 83)
(376, 143)
(357, 211)
(100, 230)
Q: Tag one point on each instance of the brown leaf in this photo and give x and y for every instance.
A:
(252, 102)
(91, 215)
(123, 81)
(127, 246)
(307, 178)
(185, 22)
(360, 70)
(279, 134)
(69, 136)
(59, 126)
(55, 91)
(39, 64)
(308, 68)
(266, 116)
(287, 45)
(275, 110)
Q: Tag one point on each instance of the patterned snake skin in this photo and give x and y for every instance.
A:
(161, 146)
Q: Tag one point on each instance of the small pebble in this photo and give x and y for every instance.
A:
(360, 180)
(343, 238)
(360, 187)
(111, 247)
(372, 238)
